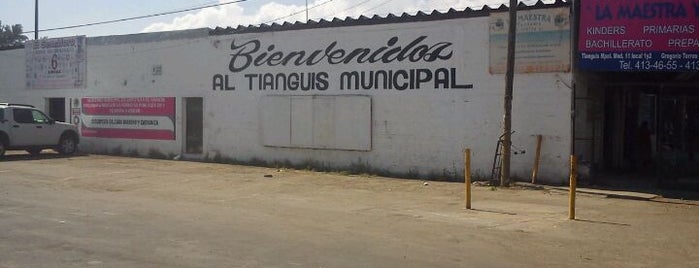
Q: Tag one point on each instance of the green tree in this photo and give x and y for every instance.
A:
(11, 35)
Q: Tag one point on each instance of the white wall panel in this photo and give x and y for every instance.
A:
(275, 120)
(316, 122)
(353, 130)
(301, 122)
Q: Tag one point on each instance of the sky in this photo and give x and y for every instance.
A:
(61, 13)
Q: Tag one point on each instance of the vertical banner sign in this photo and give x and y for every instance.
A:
(56, 63)
(129, 118)
(543, 41)
(75, 112)
(639, 35)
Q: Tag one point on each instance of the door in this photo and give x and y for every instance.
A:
(32, 127)
(670, 127)
(614, 128)
(194, 125)
(57, 109)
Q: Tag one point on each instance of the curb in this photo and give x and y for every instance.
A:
(606, 193)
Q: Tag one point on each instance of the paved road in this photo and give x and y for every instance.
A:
(103, 211)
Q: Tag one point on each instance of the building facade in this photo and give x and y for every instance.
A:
(392, 95)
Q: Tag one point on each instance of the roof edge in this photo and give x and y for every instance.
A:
(376, 19)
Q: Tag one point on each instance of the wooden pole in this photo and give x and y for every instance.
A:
(467, 177)
(573, 182)
(509, 81)
(537, 157)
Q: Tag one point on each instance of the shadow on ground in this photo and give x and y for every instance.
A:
(685, 188)
(43, 156)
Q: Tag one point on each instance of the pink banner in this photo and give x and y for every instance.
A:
(128, 134)
(639, 35)
(639, 25)
(129, 106)
(129, 118)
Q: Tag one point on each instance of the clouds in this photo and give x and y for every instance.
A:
(235, 14)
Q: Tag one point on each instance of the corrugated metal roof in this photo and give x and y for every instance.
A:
(390, 18)
(148, 37)
(311, 24)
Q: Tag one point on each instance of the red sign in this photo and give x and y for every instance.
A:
(129, 118)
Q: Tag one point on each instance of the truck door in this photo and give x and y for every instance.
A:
(22, 127)
(31, 127)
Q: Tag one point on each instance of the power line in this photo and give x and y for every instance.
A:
(474, 7)
(376, 6)
(137, 17)
(297, 12)
(354, 6)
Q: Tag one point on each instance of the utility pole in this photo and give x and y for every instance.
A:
(36, 20)
(509, 80)
(306, 10)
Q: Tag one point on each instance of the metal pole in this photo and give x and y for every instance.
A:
(573, 186)
(467, 177)
(306, 10)
(509, 77)
(36, 20)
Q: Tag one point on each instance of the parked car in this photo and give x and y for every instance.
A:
(23, 127)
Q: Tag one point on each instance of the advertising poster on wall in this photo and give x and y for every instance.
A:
(543, 41)
(639, 35)
(56, 63)
(129, 118)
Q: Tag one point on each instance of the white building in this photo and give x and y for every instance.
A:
(396, 95)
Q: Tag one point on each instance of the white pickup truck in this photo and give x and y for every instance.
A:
(23, 127)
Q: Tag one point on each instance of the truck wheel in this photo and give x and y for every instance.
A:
(67, 145)
(3, 148)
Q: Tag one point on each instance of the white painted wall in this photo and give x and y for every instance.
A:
(422, 130)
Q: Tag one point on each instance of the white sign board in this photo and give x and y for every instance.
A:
(56, 63)
(543, 41)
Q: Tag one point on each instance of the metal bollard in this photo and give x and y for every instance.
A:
(467, 177)
(573, 182)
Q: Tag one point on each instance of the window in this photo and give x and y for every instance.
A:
(29, 116)
(39, 117)
(23, 116)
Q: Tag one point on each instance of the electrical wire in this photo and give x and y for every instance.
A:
(297, 12)
(137, 17)
(212, 5)
(356, 5)
(475, 7)
(348, 8)
(377, 6)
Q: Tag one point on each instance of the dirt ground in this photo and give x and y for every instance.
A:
(104, 211)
